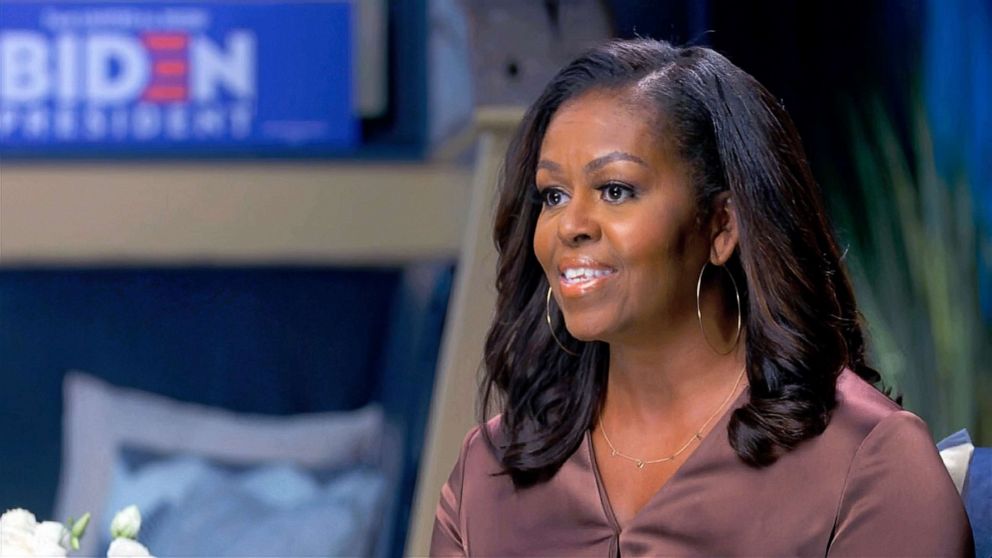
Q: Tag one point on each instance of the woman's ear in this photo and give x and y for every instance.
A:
(723, 229)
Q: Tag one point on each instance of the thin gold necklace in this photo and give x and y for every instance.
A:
(697, 436)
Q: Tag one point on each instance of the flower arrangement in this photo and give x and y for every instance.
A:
(22, 536)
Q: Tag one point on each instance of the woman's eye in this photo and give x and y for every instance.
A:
(616, 192)
(553, 197)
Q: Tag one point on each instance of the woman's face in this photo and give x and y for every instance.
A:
(617, 236)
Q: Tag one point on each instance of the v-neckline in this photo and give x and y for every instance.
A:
(655, 498)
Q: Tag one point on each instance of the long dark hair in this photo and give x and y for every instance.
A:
(802, 324)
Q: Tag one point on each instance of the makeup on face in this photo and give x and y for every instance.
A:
(617, 220)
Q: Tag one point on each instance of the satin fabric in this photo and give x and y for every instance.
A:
(872, 484)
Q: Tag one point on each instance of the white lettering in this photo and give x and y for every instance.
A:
(95, 124)
(67, 67)
(36, 123)
(24, 74)
(141, 123)
(138, 19)
(118, 123)
(235, 69)
(241, 118)
(208, 123)
(176, 127)
(8, 122)
(65, 123)
(147, 122)
(116, 68)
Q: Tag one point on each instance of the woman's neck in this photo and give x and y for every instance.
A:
(651, 381)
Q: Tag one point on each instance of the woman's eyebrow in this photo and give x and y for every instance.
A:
(595, 164)
(600, 162)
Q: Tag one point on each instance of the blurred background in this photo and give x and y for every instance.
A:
(245, 255)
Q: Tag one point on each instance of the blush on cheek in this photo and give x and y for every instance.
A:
(544, 252)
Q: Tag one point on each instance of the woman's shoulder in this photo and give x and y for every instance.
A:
(866, 420)
(897, 496)
(860, 405)
(863, 414)
(477, 448)
(464, 491)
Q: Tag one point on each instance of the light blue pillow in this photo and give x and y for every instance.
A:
(194, 507)
(976, 486)
(102, 420)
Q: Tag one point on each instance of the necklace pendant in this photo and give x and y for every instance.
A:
(640, 464)
(613, 452)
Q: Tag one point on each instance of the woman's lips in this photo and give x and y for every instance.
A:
(581, 277)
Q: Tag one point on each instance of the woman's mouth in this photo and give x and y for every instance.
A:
(580, 280)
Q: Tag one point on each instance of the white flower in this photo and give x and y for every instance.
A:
(52, 531)
(17, 533)
(126, 523)
(126, 548)
(18, 518)
(21, 536)
(51, 539)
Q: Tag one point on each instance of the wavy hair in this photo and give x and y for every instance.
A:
(802, 323)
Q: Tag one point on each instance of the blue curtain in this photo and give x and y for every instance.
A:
(957, 60)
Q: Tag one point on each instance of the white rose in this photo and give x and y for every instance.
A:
(126, 523)
(18, 518)
(126, 548)
(17, 533)
(51, 539)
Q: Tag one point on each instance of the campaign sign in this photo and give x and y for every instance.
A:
(175, 78)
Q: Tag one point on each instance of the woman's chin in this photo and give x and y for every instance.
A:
(587, 332)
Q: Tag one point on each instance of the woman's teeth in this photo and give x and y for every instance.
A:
(581, 274)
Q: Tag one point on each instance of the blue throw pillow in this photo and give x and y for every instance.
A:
(976, 489)
(978, 499)
(195, 507)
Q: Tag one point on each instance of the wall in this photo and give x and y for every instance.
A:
(229, 213)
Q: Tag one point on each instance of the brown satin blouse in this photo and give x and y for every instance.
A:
(872, 484)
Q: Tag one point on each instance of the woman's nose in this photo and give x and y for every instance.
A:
(578, 223)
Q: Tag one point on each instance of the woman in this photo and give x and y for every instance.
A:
(676, 355)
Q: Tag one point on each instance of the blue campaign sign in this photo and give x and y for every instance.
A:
(175, 78)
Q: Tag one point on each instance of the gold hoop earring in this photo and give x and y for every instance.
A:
(699, 312)
(551, 328)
